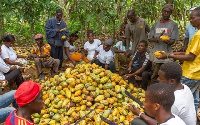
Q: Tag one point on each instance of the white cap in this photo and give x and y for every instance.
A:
(192, 9)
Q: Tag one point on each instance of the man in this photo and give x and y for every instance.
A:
(183, 106)
(189, 33)
(5, 100)
(159, 99)
(104, 56)
(120, 58)
(191, 58)
(55, 29)
(136, 30)
(166, 27)
(41, 54)
(29, 99)
(143, 70)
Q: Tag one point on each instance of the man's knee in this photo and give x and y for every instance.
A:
(57, 61)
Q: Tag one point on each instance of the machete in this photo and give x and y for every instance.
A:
(133, 98)
(76, 123)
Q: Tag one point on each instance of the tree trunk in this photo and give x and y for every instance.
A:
(32, 32)
(114, 29)
(2, 29)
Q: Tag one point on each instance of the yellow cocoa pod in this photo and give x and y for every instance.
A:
(164, 38)
(158, 54)
(64, 37)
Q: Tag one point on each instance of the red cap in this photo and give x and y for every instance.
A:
(27, 92)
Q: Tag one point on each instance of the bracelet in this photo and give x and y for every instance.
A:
(141, 114)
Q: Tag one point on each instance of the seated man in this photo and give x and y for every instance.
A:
(5, 100)
(120, 53)
(144, 68)
(41, 54)
(170, 73)
(159, 99)
(104, 56)
(29, 99)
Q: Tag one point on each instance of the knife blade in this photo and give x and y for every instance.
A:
(133, 98)
(76, 123)
(108, 121)
(162, 33)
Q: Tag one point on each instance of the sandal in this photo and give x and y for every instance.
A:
(3, 83)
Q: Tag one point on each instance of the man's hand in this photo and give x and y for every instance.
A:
(134, 109)
(57, 31)
(129, 75)
(164, 55)
(129, 69)
(33, 56)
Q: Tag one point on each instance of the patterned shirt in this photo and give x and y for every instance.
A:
(45, 50)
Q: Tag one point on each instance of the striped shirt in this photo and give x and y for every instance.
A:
(143, 60)
(13, 119)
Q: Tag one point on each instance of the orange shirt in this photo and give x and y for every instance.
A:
(13, 119)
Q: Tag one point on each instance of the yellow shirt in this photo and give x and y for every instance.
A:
(191, 69)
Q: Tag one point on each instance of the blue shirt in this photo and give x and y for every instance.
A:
(52, 37)
(190, 31)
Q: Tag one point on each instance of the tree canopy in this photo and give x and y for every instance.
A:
(24, 18)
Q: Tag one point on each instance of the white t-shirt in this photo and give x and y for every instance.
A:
(91, 48)
(174, 121)
(71, 49)
(8, 52)
(184, 106)
(3, 69)
(103, 56)
(120, 46)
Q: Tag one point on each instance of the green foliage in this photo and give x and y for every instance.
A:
(23, 18)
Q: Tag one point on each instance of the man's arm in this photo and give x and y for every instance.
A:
(147, 119)
(186, 41)
(188, 57)
(49, 29)
(117, 50)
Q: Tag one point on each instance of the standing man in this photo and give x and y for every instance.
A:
(166, 27)
(189, 33)
(136, 30)
(191, 58)
(56, 28)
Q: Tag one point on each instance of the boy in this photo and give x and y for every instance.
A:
(29, 99)
(144, 68)
(159, 99)
(104, 56)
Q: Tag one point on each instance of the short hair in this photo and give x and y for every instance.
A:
(162, 94)
(59, 11)
(198, 11)
(172, 70)
(145, 42)
(90, 32)
(75, 34)
(131, 12)
(8, 38)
